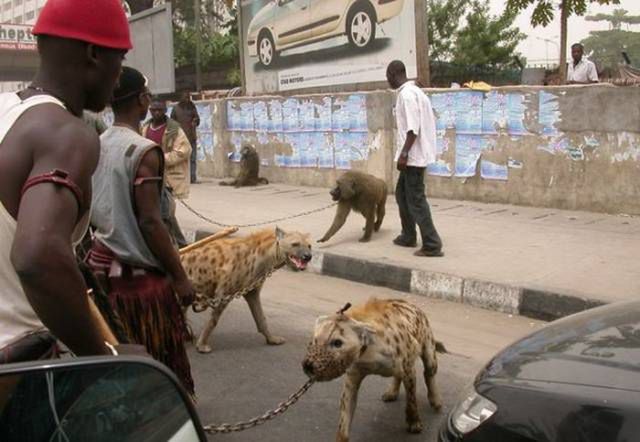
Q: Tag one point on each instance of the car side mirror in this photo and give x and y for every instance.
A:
(98, 399)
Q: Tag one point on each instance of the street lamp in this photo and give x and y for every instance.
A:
(546, 46)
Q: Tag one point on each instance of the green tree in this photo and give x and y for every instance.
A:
(605, 47)
(544, 11)
(616, 19)
(487, 40)
(443, 22)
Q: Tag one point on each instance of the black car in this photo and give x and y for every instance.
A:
(576, 379)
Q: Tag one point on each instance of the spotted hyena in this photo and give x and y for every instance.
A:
(382, 337)
(225, 266)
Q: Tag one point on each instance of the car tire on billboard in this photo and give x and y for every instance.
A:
(361, 25)
(266, 49)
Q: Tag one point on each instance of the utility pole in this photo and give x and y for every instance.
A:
(196, 10)
(422, 43)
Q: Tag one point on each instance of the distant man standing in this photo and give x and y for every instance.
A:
(132, 253)
(186, 113)
(168, 134)
(581, 71)
(416, 149)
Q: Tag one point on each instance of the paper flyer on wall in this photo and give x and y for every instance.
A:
(493, 171)
(468, 150)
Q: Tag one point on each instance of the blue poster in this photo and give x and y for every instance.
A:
(307, 115)
(246, 116)
(469, 112)
(516, 109)
(444, 108)
(261, 116)
(494, 113)
(323, 123)
(493, 171)
(290, 122)
(233, 116)
(548, 113)
(324, 151)
(439, 168)
(275, 116)
(468, 150)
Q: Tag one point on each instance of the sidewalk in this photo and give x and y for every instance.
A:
(542, 263)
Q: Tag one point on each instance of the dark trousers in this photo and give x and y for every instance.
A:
(414, 209)
(194, 160)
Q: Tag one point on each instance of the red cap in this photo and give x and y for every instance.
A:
(101, 22)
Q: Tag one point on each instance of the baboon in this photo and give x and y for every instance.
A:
(363, 193)
(249, 169)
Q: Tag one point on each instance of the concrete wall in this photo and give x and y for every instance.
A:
(574, 147)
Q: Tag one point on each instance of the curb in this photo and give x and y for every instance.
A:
(530, 302)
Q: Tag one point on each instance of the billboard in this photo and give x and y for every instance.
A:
(297, 44)
(17, 37)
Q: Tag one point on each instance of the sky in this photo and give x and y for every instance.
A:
(536, 50)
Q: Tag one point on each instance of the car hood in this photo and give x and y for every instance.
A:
(599, 348)
(263, 18)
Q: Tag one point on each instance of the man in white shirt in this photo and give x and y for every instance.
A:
(416, 149)
(581, 71)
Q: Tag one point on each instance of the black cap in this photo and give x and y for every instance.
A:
(131, 83)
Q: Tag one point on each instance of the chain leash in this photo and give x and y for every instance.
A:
(264, 223)
(259, 420)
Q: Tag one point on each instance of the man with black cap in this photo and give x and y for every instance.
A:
(132, 253)
(47, 157)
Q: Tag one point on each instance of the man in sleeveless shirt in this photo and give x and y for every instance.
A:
(132, 251)
(47, 157)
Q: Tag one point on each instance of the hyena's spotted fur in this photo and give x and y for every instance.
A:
(382, 337)
(225, 266)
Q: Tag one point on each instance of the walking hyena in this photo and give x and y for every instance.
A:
(382, 337)
(225, 266)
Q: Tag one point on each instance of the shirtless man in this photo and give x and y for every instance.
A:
(47, 157)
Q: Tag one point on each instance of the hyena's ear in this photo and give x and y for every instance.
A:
(322, 320)
(279, 233)
(365, 332)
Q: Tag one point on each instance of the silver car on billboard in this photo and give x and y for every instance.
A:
(284, 24)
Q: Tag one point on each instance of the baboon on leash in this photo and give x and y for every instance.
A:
(363, 193)
(249, 169)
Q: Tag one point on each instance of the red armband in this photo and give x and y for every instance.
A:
(59, 177)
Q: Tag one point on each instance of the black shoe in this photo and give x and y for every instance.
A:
(402, 242)
(429, 253)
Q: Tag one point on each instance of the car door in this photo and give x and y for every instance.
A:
(326, 16)
(291, 22)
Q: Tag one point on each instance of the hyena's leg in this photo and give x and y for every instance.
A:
(430, 362)
(348, 402)
(255, 305)
(392, 392)
(414, 425)
(201, 344)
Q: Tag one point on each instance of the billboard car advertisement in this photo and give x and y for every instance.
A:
(297, 44)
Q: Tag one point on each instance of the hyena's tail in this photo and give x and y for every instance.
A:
(440, 348)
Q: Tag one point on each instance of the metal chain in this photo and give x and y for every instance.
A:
(259, 420)
(202, 303)
(273, 221)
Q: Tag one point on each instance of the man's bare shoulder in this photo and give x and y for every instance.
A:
(52, 129)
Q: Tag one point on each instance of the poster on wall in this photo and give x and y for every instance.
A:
(296, 44)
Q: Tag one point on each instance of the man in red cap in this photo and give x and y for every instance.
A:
(47, 157)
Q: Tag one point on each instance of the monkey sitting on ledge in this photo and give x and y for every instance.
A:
(363, 193)
(249, 169)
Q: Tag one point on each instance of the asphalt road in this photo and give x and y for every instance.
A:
(243, 377)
